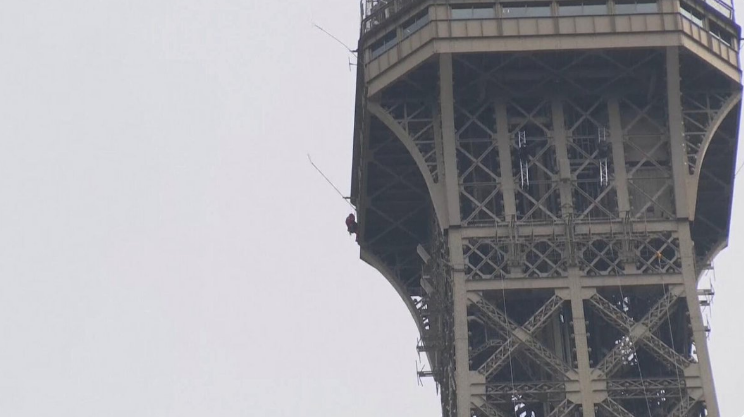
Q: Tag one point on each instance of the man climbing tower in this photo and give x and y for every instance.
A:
(351, 225)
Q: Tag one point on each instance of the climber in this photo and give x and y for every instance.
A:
(351, 224)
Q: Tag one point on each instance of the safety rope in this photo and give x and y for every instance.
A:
(508, 337)
(632, 343)
(671, 336)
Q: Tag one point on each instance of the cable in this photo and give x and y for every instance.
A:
(510, 337)
(511, 364)
(351, 51)
(632, 345)
(738, 169)
(346, 199)
(671, 336)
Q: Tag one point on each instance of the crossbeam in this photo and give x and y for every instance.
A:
(519, 335)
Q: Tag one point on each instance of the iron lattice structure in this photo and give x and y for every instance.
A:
(543, 184)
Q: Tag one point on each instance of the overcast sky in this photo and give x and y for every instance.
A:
(165, 247)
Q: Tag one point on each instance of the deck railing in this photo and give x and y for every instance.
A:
(376, 12)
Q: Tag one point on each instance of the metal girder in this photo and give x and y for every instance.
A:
(416, 118)
(522, 335)
(485, 258)
(600, 250)
(488, 344)
(586, 122)
(483, 114)
(700, 109)
(563, 409)
(640, 332)
(683, 408)
(545, 258)
(525, 392)
(614, 408)
(641, 388)
(489, 410)
(658, 253)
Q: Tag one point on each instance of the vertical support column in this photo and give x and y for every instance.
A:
(582, 345)
(449, 147)
(621, 176)
(696, 319)
(618, 155)
(454, 235)
(460, 320)
(441, 208)
(561, 154)
(676, 132)
(504, 146)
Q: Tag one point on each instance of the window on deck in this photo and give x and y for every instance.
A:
(415, 23)
(525, 10)
(721, 33)
(696, 16)
(473, 12)
(586, 8)
(636, 6)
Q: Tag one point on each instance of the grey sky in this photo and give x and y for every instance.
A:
(165, 247)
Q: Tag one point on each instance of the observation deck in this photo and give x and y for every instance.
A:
(398, 35)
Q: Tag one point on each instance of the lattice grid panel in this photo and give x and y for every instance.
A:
(648, 162)
(699, 109)
(545, 258)
(657, 254)
(586, 124)
(416, 117)
(478, 163)
(600, 255)
(539, 200)
(485, 259)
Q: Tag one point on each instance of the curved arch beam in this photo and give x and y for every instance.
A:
(727, 107)
(435, 192)
(380, 266)
(718, 248)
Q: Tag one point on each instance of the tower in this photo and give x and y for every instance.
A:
(543, 183)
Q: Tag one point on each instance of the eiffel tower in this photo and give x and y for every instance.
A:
(543, 183)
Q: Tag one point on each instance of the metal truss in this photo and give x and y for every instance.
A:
(478, 161)
(638, 333)
(614, 409)
(604, 254)
(648, 163)
(485, 258)
(699, 110)
(594, 196)
(522, 337)
(393, 184)
(537, 198)
(645, 388)
(489, 410)
(528, 118)
(564, 409)
(657, 253)
(563, 217)
(485, 346)
(600, 255)
(684, 407)
(527, 392)
(478, 166)
(493, 258)
(545, 258)
(523, 405)
(715, 189)
(416, 117)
